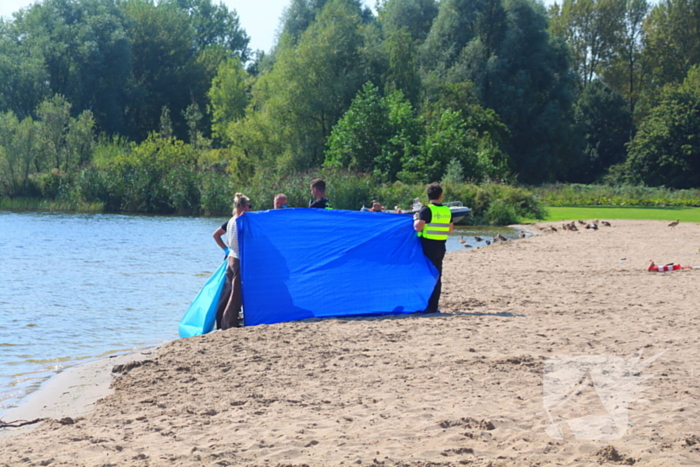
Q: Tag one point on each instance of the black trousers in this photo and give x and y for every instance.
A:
(434, 250)
(231, 299)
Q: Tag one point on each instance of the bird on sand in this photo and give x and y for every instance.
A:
(674, 223)
(522, 234)
(488, 242)
(606, 224)
(581, 222)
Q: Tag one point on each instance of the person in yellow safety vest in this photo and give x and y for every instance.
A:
(433, 224)
(318, 191)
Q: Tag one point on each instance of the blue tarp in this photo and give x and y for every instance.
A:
(201, 315)
(313, 263)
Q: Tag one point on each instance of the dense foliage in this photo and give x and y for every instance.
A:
(160, 106)
(666, 150)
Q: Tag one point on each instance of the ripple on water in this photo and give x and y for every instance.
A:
(100, 290)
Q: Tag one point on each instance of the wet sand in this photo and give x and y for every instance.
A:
(470, 386)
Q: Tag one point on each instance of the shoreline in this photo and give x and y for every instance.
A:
(469, 386)
(75, 391)
(70, 393)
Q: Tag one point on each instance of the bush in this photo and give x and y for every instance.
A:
(399, 194)
(216, 193)
(51, 184)
(183, 188)
(480, 198)
(500, 213)
(345, 189)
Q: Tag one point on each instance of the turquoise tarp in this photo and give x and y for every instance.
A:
(200, 317)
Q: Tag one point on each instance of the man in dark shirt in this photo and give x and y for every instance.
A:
(433, 224)
(318, 191)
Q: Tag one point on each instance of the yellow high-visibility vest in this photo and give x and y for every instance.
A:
(439, 226)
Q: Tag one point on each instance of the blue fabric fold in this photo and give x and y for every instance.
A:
(200, 317)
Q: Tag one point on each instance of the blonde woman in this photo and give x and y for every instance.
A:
(231, 298)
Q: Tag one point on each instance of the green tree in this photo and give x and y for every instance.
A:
(193, 117)
(65, 143)
(385, 136)
(298, 16)
(407, 131)
(447, 139)
(414, 16)
(80, 140)
(78, 49)
(673, 42)
(359, 136)
(461, 97)
(626, 72)
(606, 123)
(458, 24)
(666, 150)
(517, 69)
(18, 150)
(592, 29)
(228, 96)
(216, 25)
(162, 72)
(54, 120)
(23, 76)
(376, 134)
(402, 72)
(310, 87)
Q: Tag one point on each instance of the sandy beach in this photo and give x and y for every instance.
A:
(491, 381)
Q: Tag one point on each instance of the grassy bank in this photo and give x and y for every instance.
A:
(563, 213)
(37, 204)
(604, 195)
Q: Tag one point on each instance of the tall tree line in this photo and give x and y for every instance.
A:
(489, 89)
(635, 67)
(122, 60)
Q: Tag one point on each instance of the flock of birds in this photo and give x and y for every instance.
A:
(592, 225)
(571, 227)
(498, 238)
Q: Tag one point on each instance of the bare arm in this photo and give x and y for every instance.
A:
(217, 238)
(452, 227)
(418, 225)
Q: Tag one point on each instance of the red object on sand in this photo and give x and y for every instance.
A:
(669, 267)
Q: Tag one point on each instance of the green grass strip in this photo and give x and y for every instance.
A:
(555, 214)
(37, 204)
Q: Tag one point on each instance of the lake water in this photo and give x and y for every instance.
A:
(78, 287)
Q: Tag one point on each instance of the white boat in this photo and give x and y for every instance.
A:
(459, 211)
